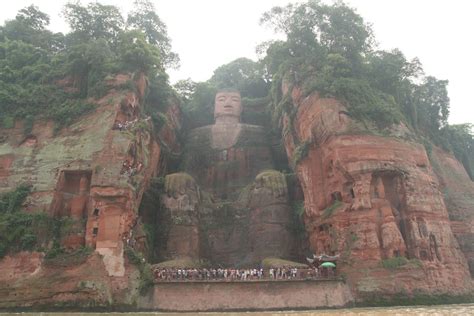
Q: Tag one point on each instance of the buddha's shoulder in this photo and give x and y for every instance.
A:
(247, 134)
(257, 129)
(206, 131)
(201, 133)
(252, 135)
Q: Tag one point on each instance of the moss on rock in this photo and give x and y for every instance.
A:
(279, 263)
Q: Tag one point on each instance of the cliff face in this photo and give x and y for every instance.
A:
(376, 201)
(400, 218)
(458, 190)
(92, 173)
(29, 280)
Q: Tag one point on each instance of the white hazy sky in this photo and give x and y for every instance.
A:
(210, 33)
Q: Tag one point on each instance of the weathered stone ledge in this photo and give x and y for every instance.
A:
(251, 281)
(252, 295)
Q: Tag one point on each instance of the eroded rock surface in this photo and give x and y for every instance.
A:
(400, 218)
(91, 175)
(458, 190)
(374, 200)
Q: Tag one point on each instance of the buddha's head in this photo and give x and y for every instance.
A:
(227, 106)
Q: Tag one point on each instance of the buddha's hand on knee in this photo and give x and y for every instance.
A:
(179, 183)
(274, 181)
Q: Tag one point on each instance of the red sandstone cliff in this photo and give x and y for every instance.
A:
(94, 172)
(376, 201)
(458, 190)
(391, 210)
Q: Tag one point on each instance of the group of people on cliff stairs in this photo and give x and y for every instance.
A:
(234, 274)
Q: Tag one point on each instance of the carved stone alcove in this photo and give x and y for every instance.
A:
(72, 193)
(71, 200)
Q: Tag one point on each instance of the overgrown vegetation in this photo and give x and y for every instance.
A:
(20, 230)
(396, 262)
(328, 211)
(330, 49)
(156, 223)
(146, 274)
(59, 259)
(460, 140)
(297, 227)
(11, 202)
(242, 74)
(268, 263)
(52, 75)
(327, 48)
(301, 151)
(37, 231)
(349, 242)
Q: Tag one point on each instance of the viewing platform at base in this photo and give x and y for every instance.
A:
(248, 295)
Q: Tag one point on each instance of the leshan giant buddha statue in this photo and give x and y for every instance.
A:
(228, 205)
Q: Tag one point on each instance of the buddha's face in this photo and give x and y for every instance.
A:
(227, 103)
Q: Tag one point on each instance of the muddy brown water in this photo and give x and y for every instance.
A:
(438, 310)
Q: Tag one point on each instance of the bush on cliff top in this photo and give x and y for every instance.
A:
(18, 230)
(62, 259)
(36, 64)
(21, 231)
(146, 274)
(330, 49)
(328, 211)
(280, 263)
(242, 74)
(396, 262)
(11, 202)
(301, 151)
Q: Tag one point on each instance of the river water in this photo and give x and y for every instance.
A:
(438, 310)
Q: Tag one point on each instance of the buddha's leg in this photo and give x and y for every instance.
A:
(180, 202)
(270, 217)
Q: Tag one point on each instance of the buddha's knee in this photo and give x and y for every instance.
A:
(177, 184)
(272, 181)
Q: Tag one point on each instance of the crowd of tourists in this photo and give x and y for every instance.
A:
(129, 170)
(232, 274)
(121, 126)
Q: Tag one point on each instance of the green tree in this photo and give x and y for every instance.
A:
(460, 140)
(393, 74)
(329, 49)
(32, 17)
(432, 102)
(88, 63)
(23, 69)
(244, 75)
(144, 18)
(185, 89)
(29, 26)
(312, 25)
(199, 109)
(35, 64)
(137, 55)
(94, 21)
(274, 54)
